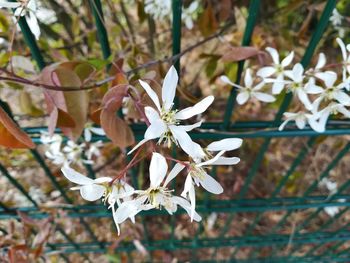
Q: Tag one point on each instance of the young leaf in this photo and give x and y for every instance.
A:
(11, 135)
(235, 54)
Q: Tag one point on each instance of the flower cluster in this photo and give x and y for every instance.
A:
(164, 123)
(319, 92)
(336, 20)
(161, 9)
(61, 153)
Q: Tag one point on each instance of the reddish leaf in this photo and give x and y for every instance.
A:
(116, 129)
(113, 99)
(11, 135)
(18, 254)
(207, 21)
(239, 53)
(95, 116)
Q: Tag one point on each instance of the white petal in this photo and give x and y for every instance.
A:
(169, 88)
(75, 177)
(266, 72)
(300, 122)
(342, 47)
(33, 25)
(317, 125)
(187, 145)
(344, 111)
(151, 93)
(225, 144)
(192, 126)
(188, 184)
(186, 205)
(226, 161)
(312, 88)
(155, 130)
(287, 60)
(274, 54)
(173, 173)
(98, 131)
(329, 78)
(157, 169)
(151, 114)
(283, 125)
(196, 109)
(278, 86)
(212, 160)
(242, 97)
(92, 192)
(264, 97)
(304, 99)
(125, 210)
(248, 80)
(321, 62)
(342, 98)
(226, 80)
(6, 4)
(138, 145)
(211, 185)
(297, 72)
(87, 135)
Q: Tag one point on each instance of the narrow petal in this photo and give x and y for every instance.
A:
(283, 125)
(248, 80)
(187, 206)
(344, 111)
(169, 88)
(264, 97)
(226, 161)
(321, 62)
(225, 144)
(274, 54)
(287, 60)
(87, 135)
(92, 192)
(196, 109)
(342, 98)
(329, 78)
(151, 93)
(342, 47)
(300, 122)
(192, 126)
(5, 4)
(75, 177)
(212, 160)
(155, 130)
(211, 185)
(157, 169)
(151, 114)
(33, 25)
(298, 71)
(124, 211)
(173, 173)
(194, 150)
(138, 145)
(278, 86)
(266, 72)
(226, 80)
(304, 99)
(242, 97)
(98, 131)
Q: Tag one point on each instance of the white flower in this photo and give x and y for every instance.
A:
(89, 130)
(189, 13)
(93, 150)
(297, 86)
(277, 69)
(157, 195)
(248, 91)
(333, 92)
(336, 18)
(158, 9)
(25, 8)
(331, 186)
(301, 118)
(164, 121)
(90, 189)
(73, 151)
(332, 108)
(346, 60)
(198, 176)
(53, 147)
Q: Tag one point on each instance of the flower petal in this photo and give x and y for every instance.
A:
(266, 72)
(225, 144)
(210, 184)
(157, 169)
(342, 98)
(287, 60)
(75, 177)
(196, 109)
(248, 80)
(6, 4)
(242, 97)
(187, 206)
(342, 47)
(173, 173)
(187, 145)
(138, 145)
(321, 62)
(192, 126)
(155, 130)
(92, 192)
(226, 161)
(169, 88)
(264, 97)
(151, 114)
(274, 54)
(151, 93)
(329, 78)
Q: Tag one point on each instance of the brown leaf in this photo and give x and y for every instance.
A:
(11, 135)
(113, 99)
(18, 254)
(239, 53)
(116, 129)
(207, 21)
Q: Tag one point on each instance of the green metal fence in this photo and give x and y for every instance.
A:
(324, 243)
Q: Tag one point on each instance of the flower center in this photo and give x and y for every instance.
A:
(157, 196)
(197, 172)
(169, 117)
